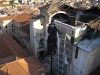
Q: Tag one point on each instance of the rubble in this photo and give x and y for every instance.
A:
(83, 4)
(47, 62)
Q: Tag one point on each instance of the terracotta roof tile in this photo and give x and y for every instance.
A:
(31, 60)
(27, 66)
(29, 11)
(7, 18)
(16, 49)
(10, 50)
(4, 49)
(21, 18)
(15, 69)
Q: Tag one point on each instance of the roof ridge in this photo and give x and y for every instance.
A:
(7, 68)
(29, 64)
(40, 68)
(23, 68)
(3, 66)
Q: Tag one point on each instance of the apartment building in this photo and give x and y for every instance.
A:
(11, 25)
(6, 24)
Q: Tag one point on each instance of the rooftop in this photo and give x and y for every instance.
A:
(27, 66)
(7, 18)
(89, 45)
(21, 18)
(10, 47)
(4, 49)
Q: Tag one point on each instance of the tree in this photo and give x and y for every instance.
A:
(12, 2)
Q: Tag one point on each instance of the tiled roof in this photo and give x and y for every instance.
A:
(23, 18)
(4, 49)
(27, 66)
(18, 18)
(2, 0)
(16, 49)
(29, 11)
(7, 18)
(9, 47)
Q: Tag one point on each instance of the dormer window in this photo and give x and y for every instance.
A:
(6, 26)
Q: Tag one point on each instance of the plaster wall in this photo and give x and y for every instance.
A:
(6, 27)
(36, 33)
(85, 62)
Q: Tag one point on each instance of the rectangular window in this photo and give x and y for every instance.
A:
(0, 27)
(6, 26)
(76, 53)
(12, 30)
(12, 25)
(18, 28)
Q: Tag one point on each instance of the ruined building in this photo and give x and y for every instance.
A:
(70, 35)
(68, 32)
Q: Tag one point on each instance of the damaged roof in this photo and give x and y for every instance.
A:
(27, 66)
(44, 7)
(29, 11)
(86, 4)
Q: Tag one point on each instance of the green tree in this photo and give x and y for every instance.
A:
(12, 2)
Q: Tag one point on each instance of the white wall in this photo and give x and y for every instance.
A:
(36, 33)
(86, 62)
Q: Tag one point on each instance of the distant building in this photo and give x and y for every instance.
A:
(6, 25)
(11, 25)
(4, 1)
